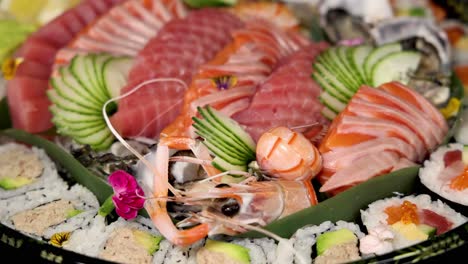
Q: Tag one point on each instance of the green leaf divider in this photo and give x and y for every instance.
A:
(457, 91)
(5, 121)
(80, 173)
(345, 206)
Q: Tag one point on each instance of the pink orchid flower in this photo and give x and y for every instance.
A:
(128, 195)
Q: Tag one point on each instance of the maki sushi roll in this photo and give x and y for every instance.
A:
(446, 173)
(326, 243)
(398, 222)
(24, 169)
(50, 212)
(122, 241)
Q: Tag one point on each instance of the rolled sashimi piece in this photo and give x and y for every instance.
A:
(445, 173)
(398, 222)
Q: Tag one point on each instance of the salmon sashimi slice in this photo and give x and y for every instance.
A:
(28, 102)
(287, 98)
(253, 41)
(367, 109)
(381, 128)
(340, 158)
(372, 95)
(204, 33)
(334, 139)
(278, 13)
(417, 100)
(362, 169)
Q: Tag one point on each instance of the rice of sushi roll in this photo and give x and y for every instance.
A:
(64, 211)
(24, 169)
(446, 173)
(342, 246)
(398, 222)
(122, 241)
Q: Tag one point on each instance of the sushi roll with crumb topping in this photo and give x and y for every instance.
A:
(63, 211)
(23, 169)
(446, 173)
(326, 243)
(398, 222)
(122, 241)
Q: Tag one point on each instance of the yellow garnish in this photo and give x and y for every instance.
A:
(9, 67)
(451, 109)
(59, 239)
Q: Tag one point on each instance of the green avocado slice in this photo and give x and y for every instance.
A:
(333, 238)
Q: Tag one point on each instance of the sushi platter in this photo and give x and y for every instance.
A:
(234, 131)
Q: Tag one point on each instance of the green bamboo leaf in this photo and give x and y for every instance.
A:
(346, 205)
(208, 3)
(81, 174)
(5, 121)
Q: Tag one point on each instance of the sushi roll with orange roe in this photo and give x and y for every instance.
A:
(398, 222)
(446, 173)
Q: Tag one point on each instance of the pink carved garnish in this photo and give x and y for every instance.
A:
(128, 195)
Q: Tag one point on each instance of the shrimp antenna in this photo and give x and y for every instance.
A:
(121, 139)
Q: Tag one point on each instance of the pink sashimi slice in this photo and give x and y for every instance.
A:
(287, 98)
(363, 108)
(417, 99)
(362, 169)
(422, 117)
(343, 157)
(381, 128)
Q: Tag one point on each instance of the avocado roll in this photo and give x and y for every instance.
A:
(24, 169)
(54, 211)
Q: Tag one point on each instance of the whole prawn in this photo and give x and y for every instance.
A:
(227, 208)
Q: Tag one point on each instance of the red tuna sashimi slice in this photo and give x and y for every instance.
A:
(431, 218)
(207, 30)
(24, 88)
(31, 115)
(30, 112)
(125, 29)
(247, 57)
(363, 108)
(381, 128)
(39, 51)
(416, 99)
(30, 68)
(287, 98)
(341, 158)
(379, 97)
(362, 169)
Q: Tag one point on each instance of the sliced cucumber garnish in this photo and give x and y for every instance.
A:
(395, 66)
(231, 145)
(377, 54)
(79, 93)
